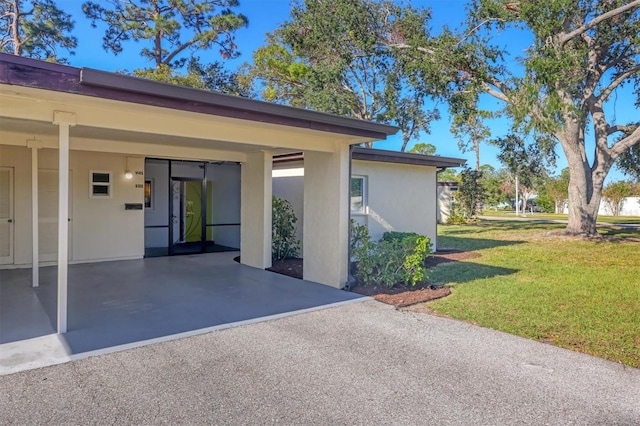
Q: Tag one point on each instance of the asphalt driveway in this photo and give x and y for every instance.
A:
(363, 363)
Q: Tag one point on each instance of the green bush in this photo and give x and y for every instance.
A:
(359, 237)
(283, 232)
(397, 259)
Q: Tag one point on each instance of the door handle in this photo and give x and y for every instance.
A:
(10, 220)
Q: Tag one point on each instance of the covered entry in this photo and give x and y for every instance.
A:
(191, 207)
(97, 128)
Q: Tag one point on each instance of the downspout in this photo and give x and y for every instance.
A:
(350, 279)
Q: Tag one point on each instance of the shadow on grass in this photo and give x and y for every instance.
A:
(467, 244)
(502, 225)
(463, 272)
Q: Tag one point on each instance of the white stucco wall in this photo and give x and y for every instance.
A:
(288, 184)
(100, 229)
(326, 207)
(400, 197)
(630, 206)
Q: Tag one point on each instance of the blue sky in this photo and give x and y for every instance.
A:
(266, 15)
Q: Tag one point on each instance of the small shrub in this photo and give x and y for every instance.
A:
(397, 259)
(283, 232)
(359, 238)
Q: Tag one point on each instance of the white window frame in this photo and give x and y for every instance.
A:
(365, 206)
(93, 184)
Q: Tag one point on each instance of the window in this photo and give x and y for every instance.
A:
(358, 195)
(99, 184)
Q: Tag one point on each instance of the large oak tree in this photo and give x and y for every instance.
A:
(583, 52)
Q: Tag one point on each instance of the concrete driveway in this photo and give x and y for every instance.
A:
(363, 363)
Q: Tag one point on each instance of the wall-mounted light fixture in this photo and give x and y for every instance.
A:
(128, 174)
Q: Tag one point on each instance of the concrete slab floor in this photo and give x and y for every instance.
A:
(112, 304)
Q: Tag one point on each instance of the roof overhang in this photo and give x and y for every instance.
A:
(386, 156)
(19, 71)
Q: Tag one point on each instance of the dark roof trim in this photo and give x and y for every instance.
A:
(385, 156)
(28, 72)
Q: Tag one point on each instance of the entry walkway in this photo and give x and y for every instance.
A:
(123, 302)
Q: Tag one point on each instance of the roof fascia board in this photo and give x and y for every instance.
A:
(385, 156)
(318, 120)
(19, 71)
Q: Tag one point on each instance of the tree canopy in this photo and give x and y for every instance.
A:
(35, 28)
(328, 58)
(582, 52)
(175, 33)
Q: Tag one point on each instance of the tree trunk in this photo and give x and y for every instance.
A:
(583, 205)
(15, 29)
(405, 141)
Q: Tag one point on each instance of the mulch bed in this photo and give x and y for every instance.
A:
(397, 296)
(291, 267)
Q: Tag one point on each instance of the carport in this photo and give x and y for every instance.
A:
(73, 144)
(123, 302)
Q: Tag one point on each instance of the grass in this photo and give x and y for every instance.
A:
(576, 294)
(631, 220)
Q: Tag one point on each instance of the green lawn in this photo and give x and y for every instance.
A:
(632, 220)
(580, 295)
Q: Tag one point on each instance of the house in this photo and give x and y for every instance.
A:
(97, 166)
(390, 190)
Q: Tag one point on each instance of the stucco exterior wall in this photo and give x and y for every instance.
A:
(630, 206)
(288, 184)
(99, 229)
(400, 197)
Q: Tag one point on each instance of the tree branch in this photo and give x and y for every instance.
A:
(604, 95)
(167, 60)
(626, 129)
(598, 19)
(622, 145)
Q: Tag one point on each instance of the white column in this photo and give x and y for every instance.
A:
(255, 216)
(64, 120)
(326, 217)
(35, 244)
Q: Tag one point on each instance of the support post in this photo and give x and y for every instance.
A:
(64, 120)
(35, 230)
(255, 216)
(326, 217)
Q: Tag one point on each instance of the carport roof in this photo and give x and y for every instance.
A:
(19, 71)
(386, 156)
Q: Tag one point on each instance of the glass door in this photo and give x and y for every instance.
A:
(187, 216)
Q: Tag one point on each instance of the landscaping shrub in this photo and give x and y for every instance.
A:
(284, 243)
(397, 259)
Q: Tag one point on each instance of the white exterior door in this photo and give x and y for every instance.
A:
(6, 216)
(48, 214)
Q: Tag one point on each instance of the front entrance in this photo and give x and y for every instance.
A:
(191, 207)
(188, 216)
(6, 216)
